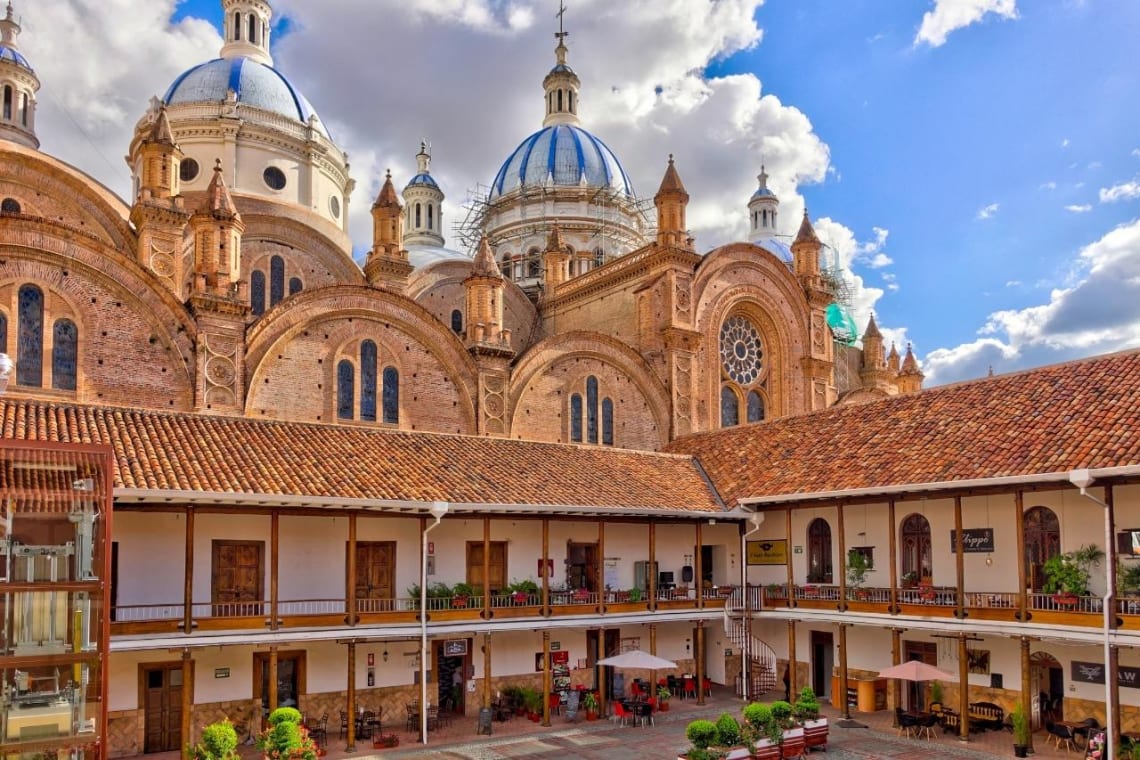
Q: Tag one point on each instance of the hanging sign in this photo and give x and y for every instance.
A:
(1093, 672)
(454, 647)
(976, 540)
(770, 552)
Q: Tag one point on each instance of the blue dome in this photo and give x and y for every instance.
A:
(422, 180)
(255, 84)
(763, 193)
(565, 152)
(14, 56)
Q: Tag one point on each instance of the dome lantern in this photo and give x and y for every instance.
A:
(561, 84)
(247, 30)
(18, 86)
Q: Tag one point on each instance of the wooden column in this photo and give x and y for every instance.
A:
(546, 678)
(651, 582)
(600, 671)
(699, 573)
(896, 659)
(187, 728)
(1022, 581)
(487, 568)
(842, 559)
(274, 566)
(272, 679)
(959, 565)
(545, 570)
(350, 614)
(793, 686)
(963, 666)
(1110, 558)
(699, 656)
(893, 556)
(487, 670)
(843, 671)
(602, 569)
(350, 698)
(653, 639)
(1112, 667)
(791, 601)
(1110, 671)
(1026, 692)
(188, 576)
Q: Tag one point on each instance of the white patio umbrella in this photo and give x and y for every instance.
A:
(916, 670)
(637, 659)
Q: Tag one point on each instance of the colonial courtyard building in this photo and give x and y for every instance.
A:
(583, 433)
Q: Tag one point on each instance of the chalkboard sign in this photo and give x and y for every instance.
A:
(572, 705)
(484, 722)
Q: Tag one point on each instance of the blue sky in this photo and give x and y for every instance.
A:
(974, 165)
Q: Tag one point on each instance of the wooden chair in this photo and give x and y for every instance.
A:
(1061, 736)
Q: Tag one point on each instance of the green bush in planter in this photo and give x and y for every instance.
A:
(285, 739)
(807, 706)
(782, 714)
(219, 742)
(757, 719)
(727, 730)
(1020, 723)
(702, 733)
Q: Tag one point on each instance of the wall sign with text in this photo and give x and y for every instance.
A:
(768, 552)
(454, 647)
(976, 540)
(1093, 672)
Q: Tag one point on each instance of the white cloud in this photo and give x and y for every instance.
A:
(988, 211)
(1013, 283)
(845, 252)
(1120, 192)
(1097, 312)
(1050, 185)
(949, 15)
(1136, 152)
(1079, 209)
(1065, 143)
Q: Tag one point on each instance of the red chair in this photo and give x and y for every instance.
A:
(652, 702)
(555, 701)
(622, 714)
(635, 690)
(690, 688)
(707, 686)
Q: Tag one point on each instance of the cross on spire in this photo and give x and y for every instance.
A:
(561, 34)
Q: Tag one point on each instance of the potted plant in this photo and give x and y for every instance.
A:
(702, 734)
(532, 700)
(286, 738)
(1064, 580)
(663, 695)
(590, 704)
(635, 594)
(806, 710)
(935, 692)
(461, 594)
(522, 591)
(1020, 723)
(219, 742)
(909, 579)
(762, 731)
(857, 569)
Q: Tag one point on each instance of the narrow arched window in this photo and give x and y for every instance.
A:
(534, 266)
(560, 101)
(607, 422)
(257, 292)
(24, 109)
(237, 26)
(295, 285)
(417, 216)
(431, 216)
(819, 551)
(368, 381)
(576, 418)
(729, 407)
(345, 390)
(915, 549)
(276, 280)
(391, 396)
(7, 102)
(30, 343)
(591, 409)
(253, 28)
(456, 321)
(506, 267)
(755, 407)
(64, 355)
(3, 333)
(571, 96)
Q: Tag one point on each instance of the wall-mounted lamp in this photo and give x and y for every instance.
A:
(385, 655)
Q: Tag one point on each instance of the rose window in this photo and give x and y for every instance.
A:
(740, 350)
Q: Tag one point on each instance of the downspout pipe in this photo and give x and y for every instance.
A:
(1082, 479)
(757, 519)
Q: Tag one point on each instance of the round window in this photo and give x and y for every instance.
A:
(188, 170)
(334, 207)
(741, 351)
(274, 177)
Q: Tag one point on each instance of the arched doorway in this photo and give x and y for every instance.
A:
(1047, 685)
(1042, 541)
(819, 551)
(914, 548)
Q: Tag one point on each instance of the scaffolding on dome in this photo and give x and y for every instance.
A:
(841, 323)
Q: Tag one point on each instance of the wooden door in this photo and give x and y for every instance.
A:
(923, 651)
(582, 566)
(498, 565)
(375, 571)
(238, 577)
(161, 687)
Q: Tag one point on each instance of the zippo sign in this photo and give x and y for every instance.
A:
(1093, 672)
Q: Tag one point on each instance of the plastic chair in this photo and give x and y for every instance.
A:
(690, 689)
(555, 702)
(1061, 736)
(621, 713)
(906, 723)
(925, 727)
(707, 685)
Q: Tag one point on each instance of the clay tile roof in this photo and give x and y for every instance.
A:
(806, 232)
(165, 451)
(1082, 414)
(218, 202)
(387, 196)
(484, 263)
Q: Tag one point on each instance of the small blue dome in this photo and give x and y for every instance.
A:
(254, 84)
(565, 152)
(763, 193)
(14, 56)
(422, 180)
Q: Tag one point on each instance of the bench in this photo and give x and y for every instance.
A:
(986, 715)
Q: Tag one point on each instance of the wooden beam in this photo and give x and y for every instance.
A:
(487, 670)
(963, 663)
(350, 615)
(274, 561)
(842, 560)
(793, 685)
(1022, 581)
(846, 706)
(896, 659)
(1026, 692)
(350, 698)
(272, 685)
(651, 581)
(791, 600)
(699, 652)
(959, 565)
(601, 570)
(546, 678)
(186, 728)
(487, 569)
(892, 555)
(700, 568)
(545, 575)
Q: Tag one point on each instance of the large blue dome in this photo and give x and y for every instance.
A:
(13, 55)
(254, 84)
(566, 153)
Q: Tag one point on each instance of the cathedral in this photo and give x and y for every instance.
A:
(226, 441)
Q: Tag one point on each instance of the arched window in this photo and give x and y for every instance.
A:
(345, 386)
(3, 333)
(560, 100)
(257, 292)
(64, 355)
(729, 407)
(417, 216)
(253, 28)
(391, 396)
(506, 267)
(30, 343)
(570, 95)
(819, 551)
(237, 26)
(24, 109)
(1042, 543)
(431, 216)
(915, 547)
(599, 257)
(7, 102)
(276, 280)
(457, 321)
(591, 409)
(368, 381)
(533, 264)
(755, 407)
(607, 422)
(576, 418)
(9, 206)
(295, 285)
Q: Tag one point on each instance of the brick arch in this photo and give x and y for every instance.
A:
(604, 349)
(306, 241)
(314, 310)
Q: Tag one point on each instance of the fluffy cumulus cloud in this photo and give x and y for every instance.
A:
(844, 251)
(950, 15)
(1123, 191)
(1096, 312)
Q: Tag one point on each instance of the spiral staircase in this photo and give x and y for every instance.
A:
(760, 657)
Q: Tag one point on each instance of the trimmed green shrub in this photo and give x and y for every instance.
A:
(285, 715)
(702, 733)
(219, 742)
(727, 730)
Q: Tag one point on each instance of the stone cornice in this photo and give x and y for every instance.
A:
(633, 266)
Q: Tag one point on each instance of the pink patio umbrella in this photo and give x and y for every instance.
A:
(916, 670)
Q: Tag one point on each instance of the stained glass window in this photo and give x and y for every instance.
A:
(368, 381)
(64, 355)
(276, 280)
(257, 292)
(591, 409)
(30, 343)
(740, 350)
(391, 396)
(607, 422)
(457, 321)
(345, 380)
(729, 407)
(755, 407)
(576, 418)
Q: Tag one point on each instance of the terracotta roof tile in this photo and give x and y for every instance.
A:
(189, 452)
(1082, 414)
